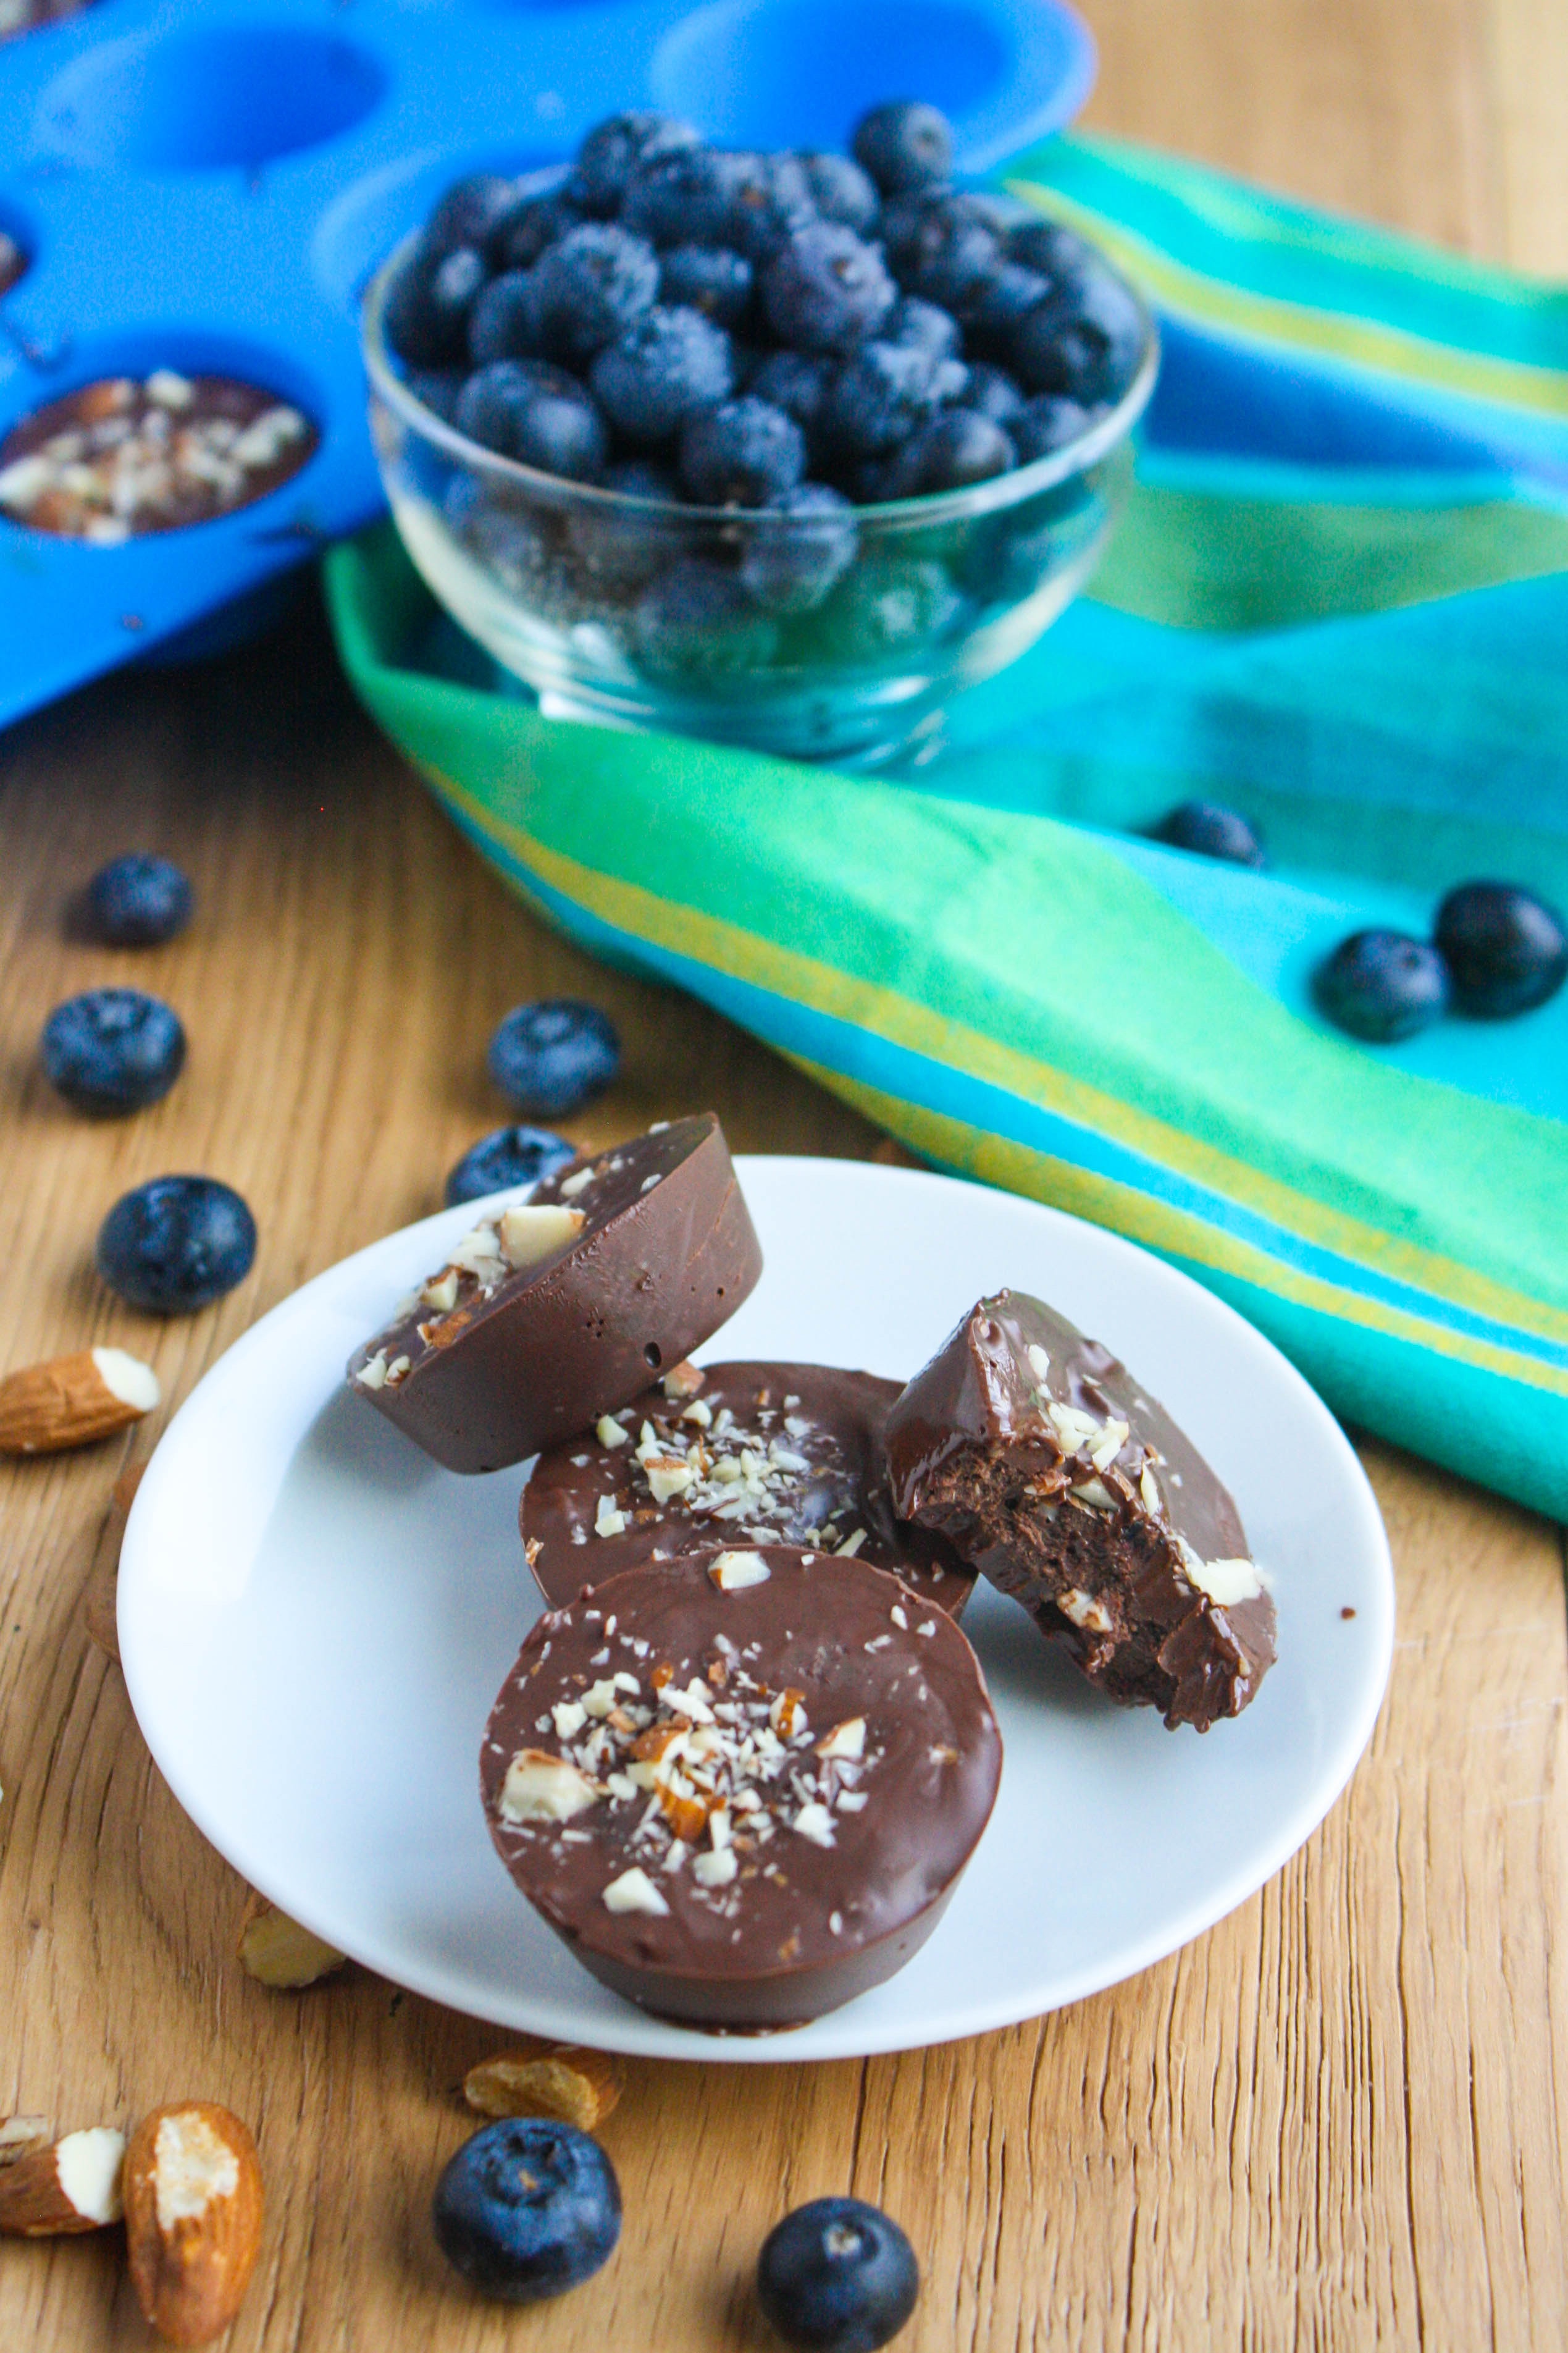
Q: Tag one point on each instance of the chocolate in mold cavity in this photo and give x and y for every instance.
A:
(125, 457)
(1036, 1452)
(737, 1453)
(741, 1787)
(555, 1311)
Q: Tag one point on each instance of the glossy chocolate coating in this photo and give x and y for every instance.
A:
(1113, 1570)
(802, 1926)
(831, 1485)
(666, 1255)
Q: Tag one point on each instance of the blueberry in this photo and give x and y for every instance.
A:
(535, 222)
(554, 1056)
(950, 453)
(791, 566)
(1046, 424)
(138, 903)
(904, 145)
(796, 382)
(1382, 986)
(923, 327)
(503, 323)
(624, 549)
(1057, 253)
(709, 279)
(176, 1244)
(666, 369)
(888, 605)
(1085, 343)
(770, 199)
(439, 390)
(685, 198)
(879, 396)
(826, 289)
(992, 393)
(509, 1156)
(742, 454)
(471, 212)
(592, 287)
(427, 305)
(1506, 949)
(941, 248)
(537, 415)
(1211, 831)
(112, 1050)
(841, 191)
(512, 546)
(996, 305)
(527, 2210)
(614, 149)
(838, 2276)
(695, 621)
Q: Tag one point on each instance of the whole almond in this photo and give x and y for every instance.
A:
(276, 1951)
(193, 2219)
(73, 1400)
(546, 2079)
(64, 2186)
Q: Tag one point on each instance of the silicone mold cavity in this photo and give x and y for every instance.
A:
(758, 73)
(211, 98)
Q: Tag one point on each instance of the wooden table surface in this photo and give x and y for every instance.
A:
(1337, 2120)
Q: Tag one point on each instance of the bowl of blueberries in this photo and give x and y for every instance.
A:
(781, 450)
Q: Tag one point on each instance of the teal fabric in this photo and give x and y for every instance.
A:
(1364, 654)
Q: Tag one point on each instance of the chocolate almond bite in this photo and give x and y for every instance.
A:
(558, 1310)
(1039, 1455)
(741, 1787)
(741, 1454)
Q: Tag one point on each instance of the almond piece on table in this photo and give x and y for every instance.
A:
(63, 2185)
(19, 2135)
(193, 2219)
(101, 1597)
(276, 1951)
(546, 2079)
(72, 1400)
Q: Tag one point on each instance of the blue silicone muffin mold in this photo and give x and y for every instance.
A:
(208, 185)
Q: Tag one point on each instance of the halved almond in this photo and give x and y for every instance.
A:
(193, 2219)
(546, 2079)
(278, 1952)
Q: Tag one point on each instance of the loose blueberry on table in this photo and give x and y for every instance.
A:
(1506, 949)
(775, 335)
(838, 2276)
(527, 2210)
(1383, 985)
(174, 1245)
(553, 1057)
(138, 902)
(1211, 831)
(507, 1157)
(112, 1050)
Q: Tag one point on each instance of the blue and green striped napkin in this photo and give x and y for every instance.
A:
(1338, 601)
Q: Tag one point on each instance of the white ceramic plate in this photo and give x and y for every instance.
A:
(314, 1621)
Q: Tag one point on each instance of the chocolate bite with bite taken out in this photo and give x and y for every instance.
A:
(1045, 1463)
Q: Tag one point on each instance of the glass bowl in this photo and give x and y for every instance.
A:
(703, 621)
